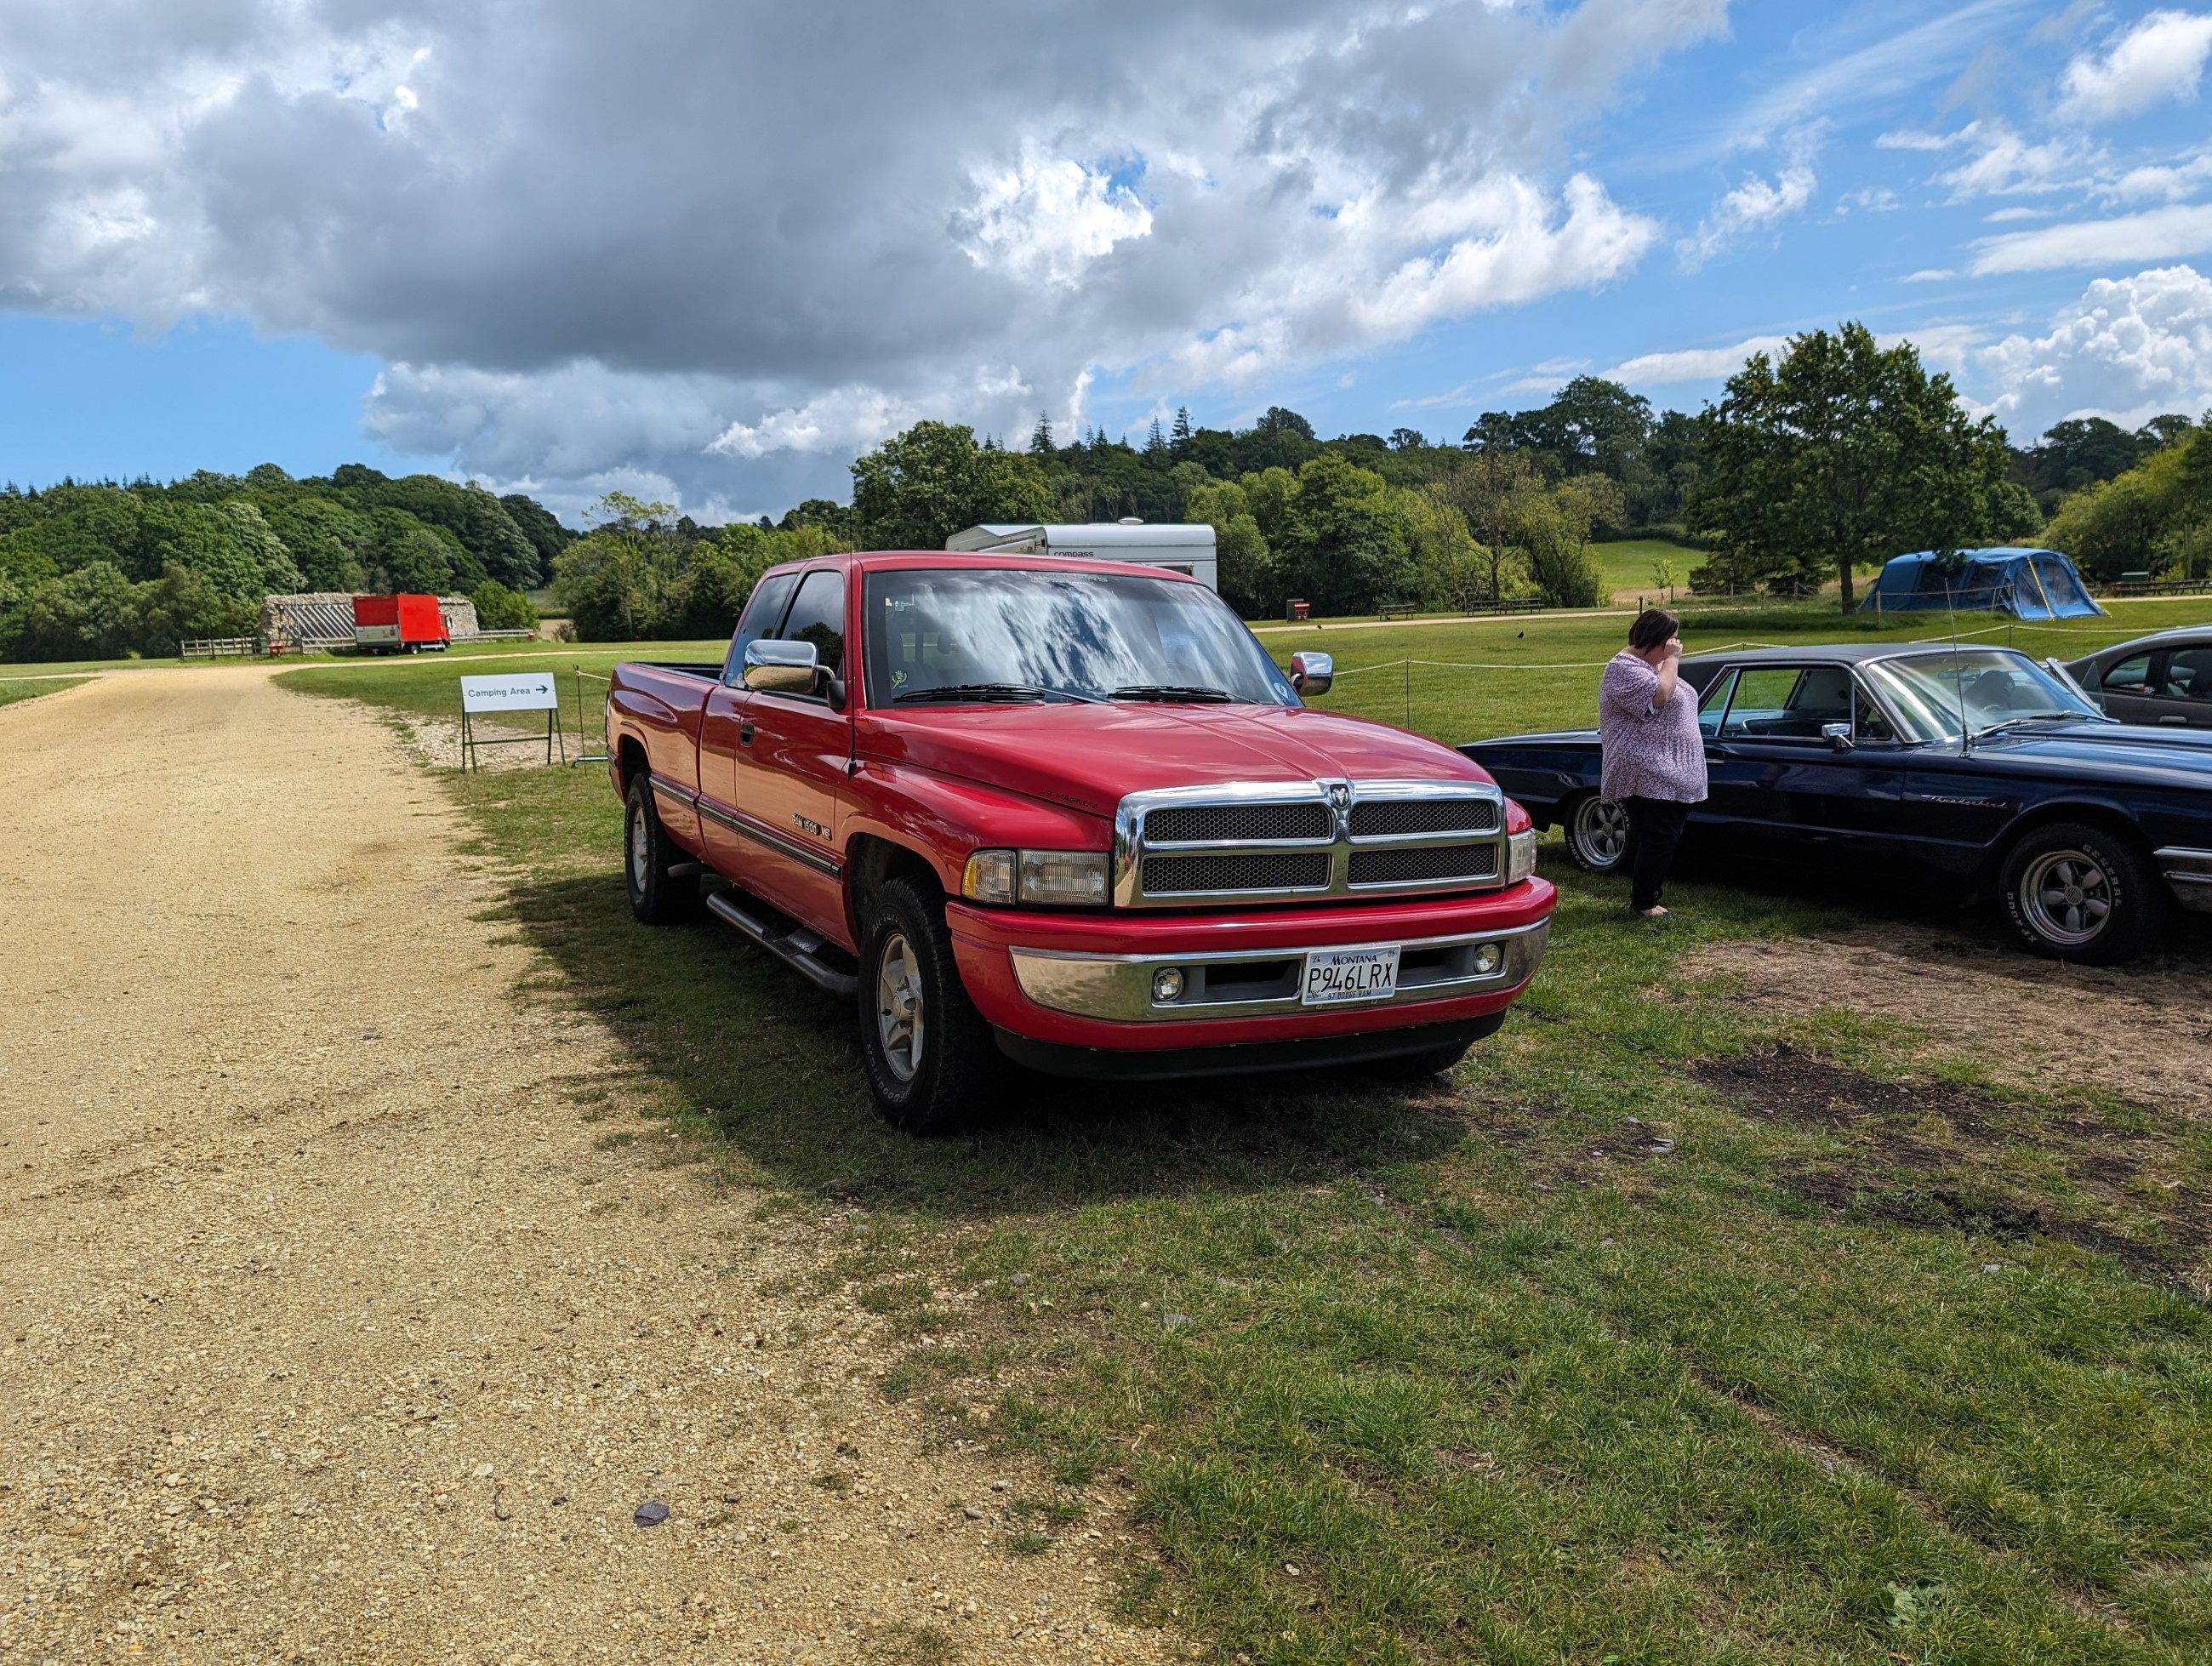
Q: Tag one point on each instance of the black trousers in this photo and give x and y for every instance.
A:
(1655, 827)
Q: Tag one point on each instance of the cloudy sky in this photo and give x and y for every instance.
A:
(709, 249)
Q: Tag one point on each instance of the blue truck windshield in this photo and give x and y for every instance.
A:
(957, 634)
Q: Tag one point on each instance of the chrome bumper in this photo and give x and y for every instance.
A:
(1255, 982)
(2188, 874)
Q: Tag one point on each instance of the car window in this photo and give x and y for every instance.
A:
(2188, 674)
(2130, 676)
(1766, 706)
(1823, 695)
(1868, 721)
(1715, 702)
(817, 616)
(763, 614)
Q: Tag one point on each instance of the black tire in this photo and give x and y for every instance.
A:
(1418, 1067)
(2074, 891)
(1597, 835)
(656, 897)
(933, 1063)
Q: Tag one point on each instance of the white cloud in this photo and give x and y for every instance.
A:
(723, 246)
(1929, 274)
(2129, 349)
(1048, 219)
(2160, 57)
(2156, 234)
(2005, 164)
(1693, 364)
(1755, 203)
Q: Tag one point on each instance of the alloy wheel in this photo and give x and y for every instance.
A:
(2067, 896)
(1600, 833)
(899, 1005)
(640, 850)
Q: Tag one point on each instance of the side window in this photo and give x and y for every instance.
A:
(2188, 674)
(1867, 721)
(1761, 707)
(2130, 676)
(817, 616)
(763, 614)
(1714, 702)
(1823, 695)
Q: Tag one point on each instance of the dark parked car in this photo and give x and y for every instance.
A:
(1976, 768)
(2165, 679)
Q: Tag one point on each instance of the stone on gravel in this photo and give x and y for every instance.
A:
(650, 1513)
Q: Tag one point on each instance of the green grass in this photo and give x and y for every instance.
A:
(1497, 1377)
(32, 688)
(1472, 680)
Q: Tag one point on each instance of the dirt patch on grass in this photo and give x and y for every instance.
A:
(2142, 1032)
(1933, 1153)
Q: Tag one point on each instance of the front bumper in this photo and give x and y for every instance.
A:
(1084, 981)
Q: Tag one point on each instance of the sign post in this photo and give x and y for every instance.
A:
(522, 691)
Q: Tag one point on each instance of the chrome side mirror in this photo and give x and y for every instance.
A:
(1837, 735)
(772, 667)
(1312, 673)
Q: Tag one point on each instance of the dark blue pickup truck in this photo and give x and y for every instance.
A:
(1975, 767)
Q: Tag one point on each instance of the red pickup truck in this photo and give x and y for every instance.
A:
(1070, 814)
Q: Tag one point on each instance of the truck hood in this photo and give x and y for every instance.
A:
(1089, 757)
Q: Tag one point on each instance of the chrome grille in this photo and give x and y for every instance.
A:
(1299, 840)
(1225, 824)
(1384, 818)
(1191, 876)
(1406, 864)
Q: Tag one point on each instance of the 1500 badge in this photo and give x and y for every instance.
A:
(813, 827)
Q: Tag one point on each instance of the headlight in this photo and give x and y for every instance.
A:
(1064, 878)
(989, 877)
(1520, 855)
(1050, 879)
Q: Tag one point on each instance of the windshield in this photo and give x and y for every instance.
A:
(1927, 692)
(959, 635)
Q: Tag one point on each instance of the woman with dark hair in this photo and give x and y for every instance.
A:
(1654, 754)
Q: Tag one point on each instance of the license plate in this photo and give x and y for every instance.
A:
(1342, 974)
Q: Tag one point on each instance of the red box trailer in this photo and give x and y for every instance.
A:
(399, 624)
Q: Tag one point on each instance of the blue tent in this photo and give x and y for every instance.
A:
(2028, 584)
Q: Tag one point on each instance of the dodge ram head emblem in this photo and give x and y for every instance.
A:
(1339, 797)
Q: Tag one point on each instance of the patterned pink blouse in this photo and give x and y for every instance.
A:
(1648, 754)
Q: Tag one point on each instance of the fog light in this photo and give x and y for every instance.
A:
(1167, 983)
(1488, 957)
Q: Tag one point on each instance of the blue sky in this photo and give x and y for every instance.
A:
(264, 232)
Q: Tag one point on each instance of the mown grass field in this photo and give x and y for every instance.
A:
(12, 690)
(1602, 1352)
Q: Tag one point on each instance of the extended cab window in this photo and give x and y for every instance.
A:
(763, 614)
(817, 616)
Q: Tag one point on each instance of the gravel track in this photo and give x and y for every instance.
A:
(335, 1328)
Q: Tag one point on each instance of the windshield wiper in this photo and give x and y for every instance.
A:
(2034, 717)
(1178, 692)
(989, 693)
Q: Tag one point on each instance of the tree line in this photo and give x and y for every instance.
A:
(1816, 464)
(98, 571)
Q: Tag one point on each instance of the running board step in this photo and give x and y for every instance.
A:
(793, 944)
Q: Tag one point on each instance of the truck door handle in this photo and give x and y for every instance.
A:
(745, 734)
(2178, 722)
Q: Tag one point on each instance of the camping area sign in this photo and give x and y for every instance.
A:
(530, 691)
